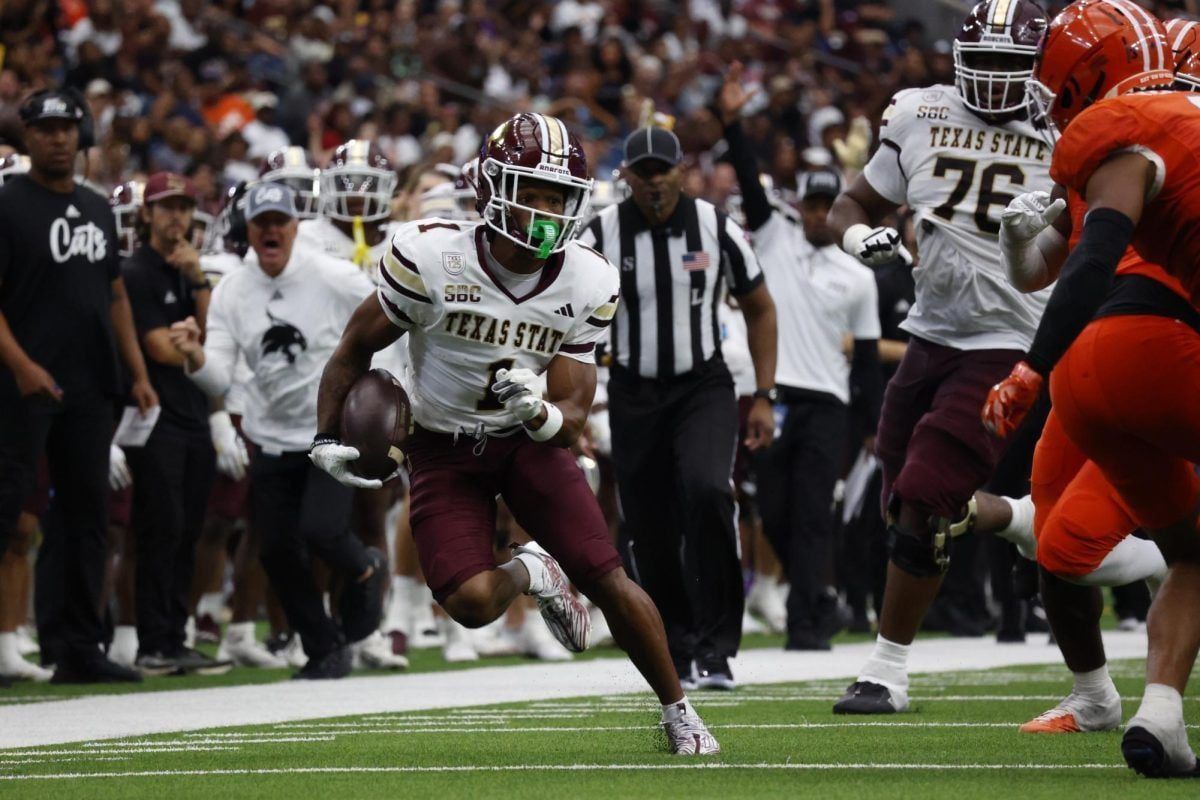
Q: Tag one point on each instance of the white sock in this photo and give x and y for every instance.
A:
(1020, 527)
(1095, 685)
(888, 664)
(536, 567)
(240, 632)
(673, 711)
(210, 603)
(1162, 704)
(1133, 559)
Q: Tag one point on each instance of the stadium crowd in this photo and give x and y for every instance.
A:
(208, 96)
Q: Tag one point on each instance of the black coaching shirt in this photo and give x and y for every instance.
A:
(671, 281)
(161, 295)
(58, 258)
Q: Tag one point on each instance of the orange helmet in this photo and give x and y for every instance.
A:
(1094, 50)
(1184, 35)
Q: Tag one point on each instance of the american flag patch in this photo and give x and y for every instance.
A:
(696, 260)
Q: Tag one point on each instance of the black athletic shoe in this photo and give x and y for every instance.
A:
(685, 668)
(361, 605)
(157, 664)
(97, 669)
(865, 697)
(331, 666)
(190, 660)
(713, 672)
(807, 640)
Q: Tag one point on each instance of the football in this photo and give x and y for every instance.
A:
(376, 419)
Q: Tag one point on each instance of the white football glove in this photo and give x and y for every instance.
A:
(1029, 214)
(119, 476)
(874, 246)
(232, 458)
(514, 388)
(334, 457)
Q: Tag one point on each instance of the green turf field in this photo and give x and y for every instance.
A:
(779, 740)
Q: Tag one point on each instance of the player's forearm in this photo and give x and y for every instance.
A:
(762, 337)
(347, 364)
(11, 352)
(845, 213)
(126, 334)
(891, 351)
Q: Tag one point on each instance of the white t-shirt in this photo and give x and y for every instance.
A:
(822, 294)
(463, 324)
(286, 327)
(958, 173)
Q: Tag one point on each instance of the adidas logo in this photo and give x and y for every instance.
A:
(277, 296)
(170, 298)
(566, 311)
(72, 212)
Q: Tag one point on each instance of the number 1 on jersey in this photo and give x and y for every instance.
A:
(490, 402)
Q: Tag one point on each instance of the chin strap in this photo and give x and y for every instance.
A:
(361, 249)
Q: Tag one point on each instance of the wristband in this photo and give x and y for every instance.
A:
(323, 438)
(552, 425)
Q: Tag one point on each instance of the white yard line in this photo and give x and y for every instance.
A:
(125, 715)
(681, 765)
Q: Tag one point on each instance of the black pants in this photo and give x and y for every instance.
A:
(796, 476)
(74, 439)
(172, 476)
(673, 445)
(297, 509)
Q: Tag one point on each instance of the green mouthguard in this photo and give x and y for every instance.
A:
(545, 231)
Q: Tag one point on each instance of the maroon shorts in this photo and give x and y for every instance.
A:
(453, 507)
(934, 449)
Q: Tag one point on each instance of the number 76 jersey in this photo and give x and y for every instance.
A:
(957, 173)
(438, 282)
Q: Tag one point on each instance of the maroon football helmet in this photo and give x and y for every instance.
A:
(994, 53)
(359, 182)
(12, 164)
(126, 204)
(532, 146)
(291, 166)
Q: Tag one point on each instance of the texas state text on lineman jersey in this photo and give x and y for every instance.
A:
(1164, 127)
(463, 325)
(958, 173)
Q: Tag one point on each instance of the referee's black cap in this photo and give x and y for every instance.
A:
(655, 143)
(821, 183)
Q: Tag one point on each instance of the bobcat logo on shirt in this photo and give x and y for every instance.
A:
(283, 337)
(86, 240)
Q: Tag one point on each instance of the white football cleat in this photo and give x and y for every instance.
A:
(124, 647)
(565, 616)
(1076, 714)
(1157, 750)
(601, 633)
(687, 735)
(768, 599)
(239, 646)
(13, 665)
(293, 653)
(375, 652)
(458, 646)
(535, 640)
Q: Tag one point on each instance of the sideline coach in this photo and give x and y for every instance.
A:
(671, 399)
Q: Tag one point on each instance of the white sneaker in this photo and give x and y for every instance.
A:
(750, 624)
(536, 641)
(687, 735)
(426, 632)
(239, 646)
(124, 647)
(1157, 750)
(14, 667)
(565, 616)
(768, 599)
(26, 644)
(458, 646)
(1076, 714)
(497, 639)
(293, 653)
(375, 652)
(1131, 624)
(189, 633)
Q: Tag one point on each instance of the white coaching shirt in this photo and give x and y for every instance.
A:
(286, 327)
(463, 325)
(827, 294)
(958, 173)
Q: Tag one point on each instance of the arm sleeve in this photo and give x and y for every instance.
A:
(220, 347)
(866, 382)
(580, 342)
(737, 257)
(401, 289)
(755, 204)
(1082, 286)
(148, 314)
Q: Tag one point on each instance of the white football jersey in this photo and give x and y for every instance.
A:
(464, 325)
(958, 173)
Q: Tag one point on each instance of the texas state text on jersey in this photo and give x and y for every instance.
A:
(463, 324)
(957, 173)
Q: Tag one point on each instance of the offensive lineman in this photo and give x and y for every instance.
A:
(957, 157)
(480, 304)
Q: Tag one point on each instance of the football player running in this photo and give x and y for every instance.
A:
(1125, 370)
(487, 307)
(956, 156)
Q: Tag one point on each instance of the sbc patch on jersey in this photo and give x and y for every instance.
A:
(454, 263)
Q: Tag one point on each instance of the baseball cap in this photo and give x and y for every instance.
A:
(652, 142)
(162, 185)
(51, 104)
(270, 197)
(821, 183)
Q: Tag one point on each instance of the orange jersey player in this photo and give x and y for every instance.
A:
(1125, 349)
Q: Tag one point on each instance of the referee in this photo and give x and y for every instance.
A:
(831, 297)
(671, 399)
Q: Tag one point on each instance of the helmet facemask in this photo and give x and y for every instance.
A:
(991, 74)
(305, 183)
(546, 233)
(365, 190)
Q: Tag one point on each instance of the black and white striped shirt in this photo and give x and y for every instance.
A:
(671, 277)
